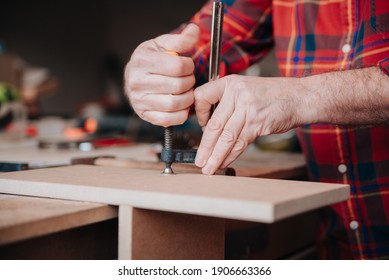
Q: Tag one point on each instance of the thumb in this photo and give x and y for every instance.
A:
(181, 43)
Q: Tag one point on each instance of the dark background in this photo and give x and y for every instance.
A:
(73, 39)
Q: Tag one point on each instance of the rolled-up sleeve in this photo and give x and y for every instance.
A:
(384, 65)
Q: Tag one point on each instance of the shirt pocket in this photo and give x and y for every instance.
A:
(379, 17)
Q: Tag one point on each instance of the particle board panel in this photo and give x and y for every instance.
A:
(241, 198)
(152, 235)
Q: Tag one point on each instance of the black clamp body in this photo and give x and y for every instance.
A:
(178, 155)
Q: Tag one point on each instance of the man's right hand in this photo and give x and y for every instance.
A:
(160, 85)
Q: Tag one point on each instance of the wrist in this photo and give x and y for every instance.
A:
(309, 104)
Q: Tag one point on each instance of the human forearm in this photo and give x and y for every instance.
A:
(351, 98)
(254, 106)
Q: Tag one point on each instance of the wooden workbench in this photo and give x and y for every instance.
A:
(252, 163)
(41, 228)
(174, 213)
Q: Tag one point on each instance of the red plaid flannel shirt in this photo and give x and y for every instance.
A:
(312, 37)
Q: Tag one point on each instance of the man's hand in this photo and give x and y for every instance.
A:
(159, 85)
(248, 107)
(254, 106)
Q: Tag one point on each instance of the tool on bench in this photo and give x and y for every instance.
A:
(169, 155)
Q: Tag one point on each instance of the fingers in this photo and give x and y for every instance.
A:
(165, 102)
(181, 43)
(165, 118)
(219, 141)
(206, 96)
(228, 132)
(158, 84)
(148, 61)
(238, 148)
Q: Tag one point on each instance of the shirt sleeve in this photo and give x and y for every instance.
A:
(247, 36)
(384, 65)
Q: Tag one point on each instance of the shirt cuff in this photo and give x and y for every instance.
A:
(384, 65)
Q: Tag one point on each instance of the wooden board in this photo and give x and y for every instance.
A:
(148, 234)
(38, 158)
(252, 199)
(28, 217)
(270, 164)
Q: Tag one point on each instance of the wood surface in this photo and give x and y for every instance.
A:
(251, 199)
(252, 163)
(38, 158)
(29, 217)
(158, 166)
(270, 164)
(97, 241)
(158, 235)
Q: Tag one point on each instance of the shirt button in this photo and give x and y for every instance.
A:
(354, 225)
(342, 168)
(346, 48)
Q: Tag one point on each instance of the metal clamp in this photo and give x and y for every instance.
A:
(177, 155)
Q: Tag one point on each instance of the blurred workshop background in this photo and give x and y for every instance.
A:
(84, 45)
(65, 59)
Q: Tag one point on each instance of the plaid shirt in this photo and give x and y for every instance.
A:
(312, 37)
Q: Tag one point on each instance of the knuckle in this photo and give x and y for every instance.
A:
(136, 61)
(190, 66)
(132, 84)
(135, 98)
(182, 118)
(177, 66)
(177, 86)
(170, 104)
(182, 85)
(240, 145)
(227, 136)
(200, 96)
(134, 80)
(190, 82)
(144, 45)
(187, 100)
(214, 123)
(240, 86)
(184, 65)
(169, 119)
(162, 120)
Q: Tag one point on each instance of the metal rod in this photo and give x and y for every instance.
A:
(216, 42)
(168, 146)
(216, 39)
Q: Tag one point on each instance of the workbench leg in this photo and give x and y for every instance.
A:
(153, 235)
